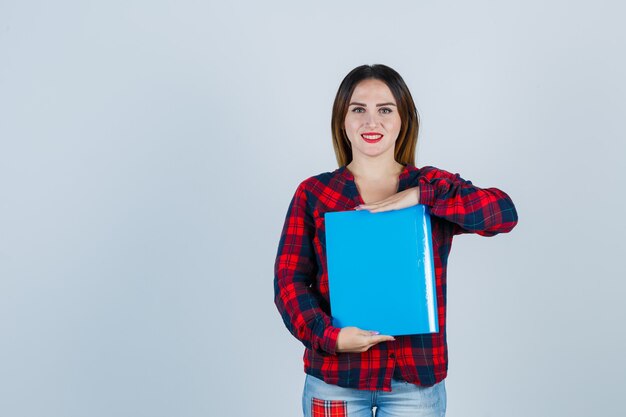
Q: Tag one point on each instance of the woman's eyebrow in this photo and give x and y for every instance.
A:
(365, 105)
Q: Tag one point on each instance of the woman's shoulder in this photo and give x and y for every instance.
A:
(430, 171)
(324, 179)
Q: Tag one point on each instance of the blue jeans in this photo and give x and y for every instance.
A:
(320, 399)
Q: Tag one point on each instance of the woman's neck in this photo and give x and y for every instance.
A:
(373, 169)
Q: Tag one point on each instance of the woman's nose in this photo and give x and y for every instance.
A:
(371, 120)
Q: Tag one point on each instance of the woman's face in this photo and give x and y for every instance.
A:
(372, 123)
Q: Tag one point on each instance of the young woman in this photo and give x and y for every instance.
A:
(349, 371)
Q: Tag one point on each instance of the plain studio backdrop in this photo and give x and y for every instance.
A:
(149, 151)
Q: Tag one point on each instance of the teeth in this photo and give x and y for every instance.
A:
(372, 136)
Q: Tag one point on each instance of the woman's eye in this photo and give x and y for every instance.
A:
(358, 110)
(385, 110)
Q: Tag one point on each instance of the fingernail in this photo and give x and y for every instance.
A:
(375, 332)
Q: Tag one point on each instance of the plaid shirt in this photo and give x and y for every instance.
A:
(301, 276)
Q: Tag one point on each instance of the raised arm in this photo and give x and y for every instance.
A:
(294, 273)
(485, 211)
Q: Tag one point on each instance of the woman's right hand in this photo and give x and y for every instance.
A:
(353, 339)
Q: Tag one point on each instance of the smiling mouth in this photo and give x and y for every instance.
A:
(371, 137)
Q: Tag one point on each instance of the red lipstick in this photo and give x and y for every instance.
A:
(371, 137)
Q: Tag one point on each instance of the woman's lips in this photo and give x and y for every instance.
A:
(371, 137)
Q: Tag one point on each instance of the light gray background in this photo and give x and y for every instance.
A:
(149, 150)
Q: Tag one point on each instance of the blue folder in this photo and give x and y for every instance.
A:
(381, 271)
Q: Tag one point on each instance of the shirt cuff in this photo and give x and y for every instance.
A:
(427, 194)
(329, 342)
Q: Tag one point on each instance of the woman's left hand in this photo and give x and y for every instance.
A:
(403, 199)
